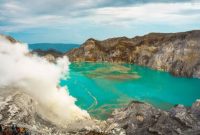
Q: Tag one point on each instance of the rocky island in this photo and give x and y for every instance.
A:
(177, 53)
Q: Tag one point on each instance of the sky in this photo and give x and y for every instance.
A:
(74, 21)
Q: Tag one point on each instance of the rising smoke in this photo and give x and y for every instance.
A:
(39, 78)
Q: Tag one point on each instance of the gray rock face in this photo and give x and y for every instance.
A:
(21, 109)
(177, 53)
(143, 119)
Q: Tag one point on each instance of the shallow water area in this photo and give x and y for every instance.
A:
(102, 87)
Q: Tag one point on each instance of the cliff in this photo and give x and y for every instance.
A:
(177, 53)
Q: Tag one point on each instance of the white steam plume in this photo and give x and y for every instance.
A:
(39, 78)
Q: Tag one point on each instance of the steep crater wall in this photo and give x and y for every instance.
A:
(177, 53)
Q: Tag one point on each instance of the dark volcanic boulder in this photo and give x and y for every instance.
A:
(178, 53)
(143, 119)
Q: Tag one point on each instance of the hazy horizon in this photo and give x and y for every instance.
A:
(104, 38)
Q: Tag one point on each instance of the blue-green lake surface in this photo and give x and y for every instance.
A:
(102, 87)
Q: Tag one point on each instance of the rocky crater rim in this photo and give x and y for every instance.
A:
(135, 118)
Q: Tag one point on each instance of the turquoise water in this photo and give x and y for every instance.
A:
(101, 87)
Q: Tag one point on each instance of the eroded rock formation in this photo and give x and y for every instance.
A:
(177, 53)
(143, 119)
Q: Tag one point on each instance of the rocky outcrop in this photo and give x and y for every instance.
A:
(51, 55)
(143, 119)
(177, 53)
(20, 109)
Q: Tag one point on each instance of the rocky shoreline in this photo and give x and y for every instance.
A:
(137, 118)
(141, 118)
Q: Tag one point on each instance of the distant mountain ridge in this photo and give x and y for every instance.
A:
(61, 47)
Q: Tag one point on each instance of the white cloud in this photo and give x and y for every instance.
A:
(19, 15)
(148, 13)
